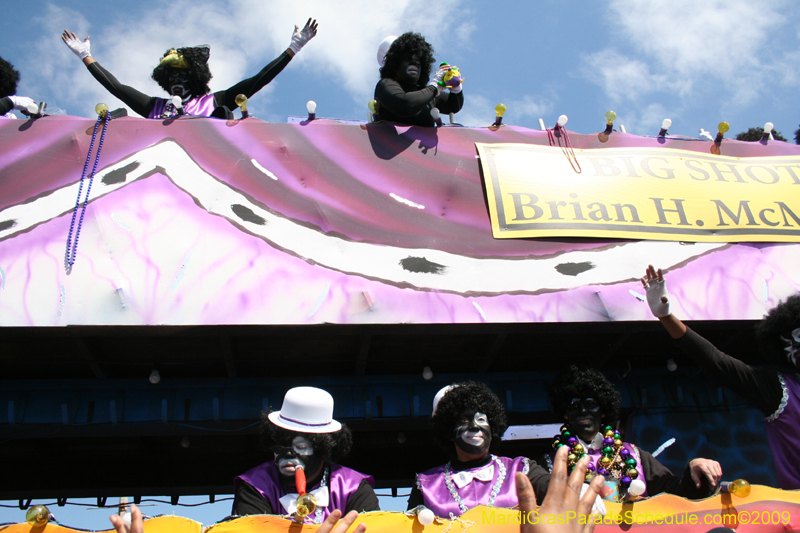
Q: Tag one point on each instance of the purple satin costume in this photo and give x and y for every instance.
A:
(595, 454)
(201, 106)
(438, 499)
(783, 433)
(342, 483)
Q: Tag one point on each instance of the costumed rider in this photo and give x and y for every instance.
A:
(405, 92)
(467, 420)
(591, 405)
(304, 435)
(776, 393)
(9, 77)
(184, 73)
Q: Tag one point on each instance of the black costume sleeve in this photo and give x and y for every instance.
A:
(6, 105)
(248, 500)
(540, 479)
(363, 499)
(139, 102)
(660, 479)
(415, 498)
(251, 86)
(394, 98)
(448, 102)
(759, 386)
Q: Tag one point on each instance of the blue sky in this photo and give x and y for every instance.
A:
(697, 63)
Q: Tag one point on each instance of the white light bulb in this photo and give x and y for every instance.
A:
(562, 120)
(768, 127)
(426, 517)
(127, 519)
(666, 123)
(177, 102)
(311, 106)
(435, 113)
(672, 366)
(155, 377)
(636, 487)
(427, 373)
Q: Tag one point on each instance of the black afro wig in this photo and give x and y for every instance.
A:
(470, 395)
(406, 45)
(9, 77)
(199, 73)
(779, 322)
(582, 382)
(332, 447)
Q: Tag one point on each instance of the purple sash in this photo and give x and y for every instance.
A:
(342, 483)
(201, 106)
(783, 433)
(437, 496)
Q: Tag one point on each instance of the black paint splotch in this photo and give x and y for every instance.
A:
(247, 214)
(420, 264)
(120, 175)
(6, 224)
(573, 269)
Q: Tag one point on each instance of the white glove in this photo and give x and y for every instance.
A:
(599, 506)
(78, 47)
(438, 78)
(23, 103)
(457, 88)
(301, 37)
(655, 290)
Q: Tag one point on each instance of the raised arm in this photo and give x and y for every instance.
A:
(759, 386)
(251, 86)
(138, 101)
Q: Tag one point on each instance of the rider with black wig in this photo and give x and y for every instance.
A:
(405, 93)
(9, 77)
(184, 72)
(774, 391)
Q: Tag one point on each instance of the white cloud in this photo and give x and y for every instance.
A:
(718, 52)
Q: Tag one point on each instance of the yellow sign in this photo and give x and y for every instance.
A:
(640, 193)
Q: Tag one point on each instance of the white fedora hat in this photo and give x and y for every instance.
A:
(383, 49)
(307, 410)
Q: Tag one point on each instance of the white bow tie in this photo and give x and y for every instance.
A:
(289, 501)
(465, 477)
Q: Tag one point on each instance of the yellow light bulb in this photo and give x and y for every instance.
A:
(37, 516)
(374, 106)
(740, 488)
(101, 109)
(500, 110)
(306, 504)
(241, 101)
(611, 116)
(724, 127)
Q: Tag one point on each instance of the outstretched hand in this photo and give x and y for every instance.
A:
(563, 509)
(332, 524)
(301, 37)
(82, 49)
(656, 288)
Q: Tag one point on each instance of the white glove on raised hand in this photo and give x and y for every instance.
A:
(657, 297)
(301, 37)
(599, 506)
(438, 78)
(23, 103)
(78, 47)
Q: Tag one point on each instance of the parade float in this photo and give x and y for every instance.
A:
(163, 281)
